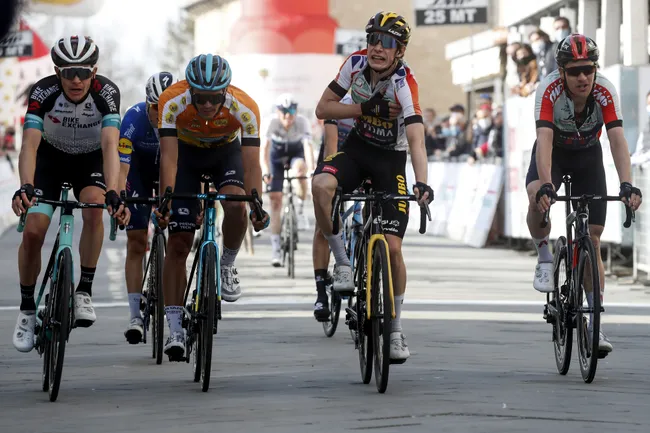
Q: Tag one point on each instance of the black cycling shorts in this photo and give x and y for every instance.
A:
(53, 167)
(140, 182)
(386, 169)
(281, 155)
(587, 176)
(224, 165)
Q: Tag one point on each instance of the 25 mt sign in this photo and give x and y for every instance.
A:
(442, 12)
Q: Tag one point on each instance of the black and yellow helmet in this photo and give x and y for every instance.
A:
(390, 23)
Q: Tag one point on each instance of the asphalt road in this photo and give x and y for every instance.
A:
(482, 359)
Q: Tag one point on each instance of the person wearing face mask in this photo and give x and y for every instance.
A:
(641, 154)
(528, 73)
(542, 47)
(481, 131)
(562, 29)
(457, 144)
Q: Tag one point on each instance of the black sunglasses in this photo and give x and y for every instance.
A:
(575, 71)
(204, 98)
(76, 71)
(387, 41)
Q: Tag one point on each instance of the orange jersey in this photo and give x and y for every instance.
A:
(239, 117)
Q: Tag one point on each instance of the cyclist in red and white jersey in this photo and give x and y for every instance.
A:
(572, 105)
(388, 121)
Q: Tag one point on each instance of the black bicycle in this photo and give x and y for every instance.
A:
(289, 230)
(575, 271)
(153, 305)
(374, 306)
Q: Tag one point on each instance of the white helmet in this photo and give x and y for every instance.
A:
(287, 102)
(156, 85)
(73, 50)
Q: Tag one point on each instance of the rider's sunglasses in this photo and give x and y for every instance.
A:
(291, 110)
(204, 98)
(575, 71)
(76, 71)
(387, 41)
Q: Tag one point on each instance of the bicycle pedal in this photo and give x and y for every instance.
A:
(602, 354)
(397, 361)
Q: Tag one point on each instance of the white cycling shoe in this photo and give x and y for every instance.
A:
(399, 349)
(543, 281)
(23, 338)
(342, 278)
(133, 333)
(230, 290)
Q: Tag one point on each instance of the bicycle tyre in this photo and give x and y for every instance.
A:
(208, 301)
(330, 326)
(364, 342)
(381, 314)
(158, 299)
(59, 313)
(291, 244)
(562, 325)
(587, 344)
(45, 375)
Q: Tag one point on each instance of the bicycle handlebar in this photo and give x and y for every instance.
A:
(629, 212)
(149, 200)
(339, 197)
(69, 204)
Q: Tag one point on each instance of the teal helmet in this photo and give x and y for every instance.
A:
(208, 72)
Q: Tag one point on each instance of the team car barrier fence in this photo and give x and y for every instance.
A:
(465, 200)
(641, 179)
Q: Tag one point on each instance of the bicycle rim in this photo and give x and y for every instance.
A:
(587, 340)
(60, 321)
(335, 310)
(208, 300)
(363, 341)
(45, 375)
(561, 299)
(159, 300)
(291, 244)
(381, 314)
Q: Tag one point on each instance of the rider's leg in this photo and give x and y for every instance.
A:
(235, 224)
(90, 248)
(136, 248)
(300, 169)
(321, 257)
(275, 194)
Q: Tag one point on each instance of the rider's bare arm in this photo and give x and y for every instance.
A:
(620, 153)
(543, 154)
(110, 138)
(329, 106)
(309, 153)
(27, 158)
(266, 152)
(415, 137)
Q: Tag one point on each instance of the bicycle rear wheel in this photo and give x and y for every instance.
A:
(291, 242)
(364, 328)
(59, 321)
(381, 314)
(561, 301)
(156, 298)
(207, 308)
(588, 331)
(330, 326)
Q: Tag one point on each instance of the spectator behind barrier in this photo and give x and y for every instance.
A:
(8, 145)
(528, 74)
(457, 143)
(562, 28)
(433, 138)
(495, 139)
(542, 47)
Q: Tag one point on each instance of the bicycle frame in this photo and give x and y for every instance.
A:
(357, 222)
(373, 232)
(209, 220)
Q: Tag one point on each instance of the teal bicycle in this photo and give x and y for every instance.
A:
(55, 321)
(202, 312)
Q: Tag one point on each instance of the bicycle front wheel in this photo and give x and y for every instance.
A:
(381, 313)
(588, 325)
(364, 329)
(157, 300)
(207, 308)
(59, 321)
(561, 302)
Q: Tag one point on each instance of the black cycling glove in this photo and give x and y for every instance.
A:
(627, 190)
(28, 189)
(546, 190)
(422, 188)
(376, 107)
(113, 200)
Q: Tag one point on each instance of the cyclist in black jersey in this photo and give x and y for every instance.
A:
(388, 122)
(572, 104)
(71, 134)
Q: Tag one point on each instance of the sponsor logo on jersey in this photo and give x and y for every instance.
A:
(230, 173)
(125, 146)
(602, 96)
(173, 107)
(220, 122)
(170, 118)
(250, 129)
(329, 169)
(41, 94)
(331, 157)
(234, 106)
(183, 211)
(184, 100)
(73, 122)
(129, 132)
(246, 117)
(107, 93)
(401, 189)
(34, 106)
(53, 119)
(400, 83)
(96, 174)
(89, 106)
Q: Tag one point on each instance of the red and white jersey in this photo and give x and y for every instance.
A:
(401, 87)
(554, 109)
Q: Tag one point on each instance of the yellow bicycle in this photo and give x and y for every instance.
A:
(369, 319)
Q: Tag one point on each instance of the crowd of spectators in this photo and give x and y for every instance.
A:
(535, 59)
(453, 137)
